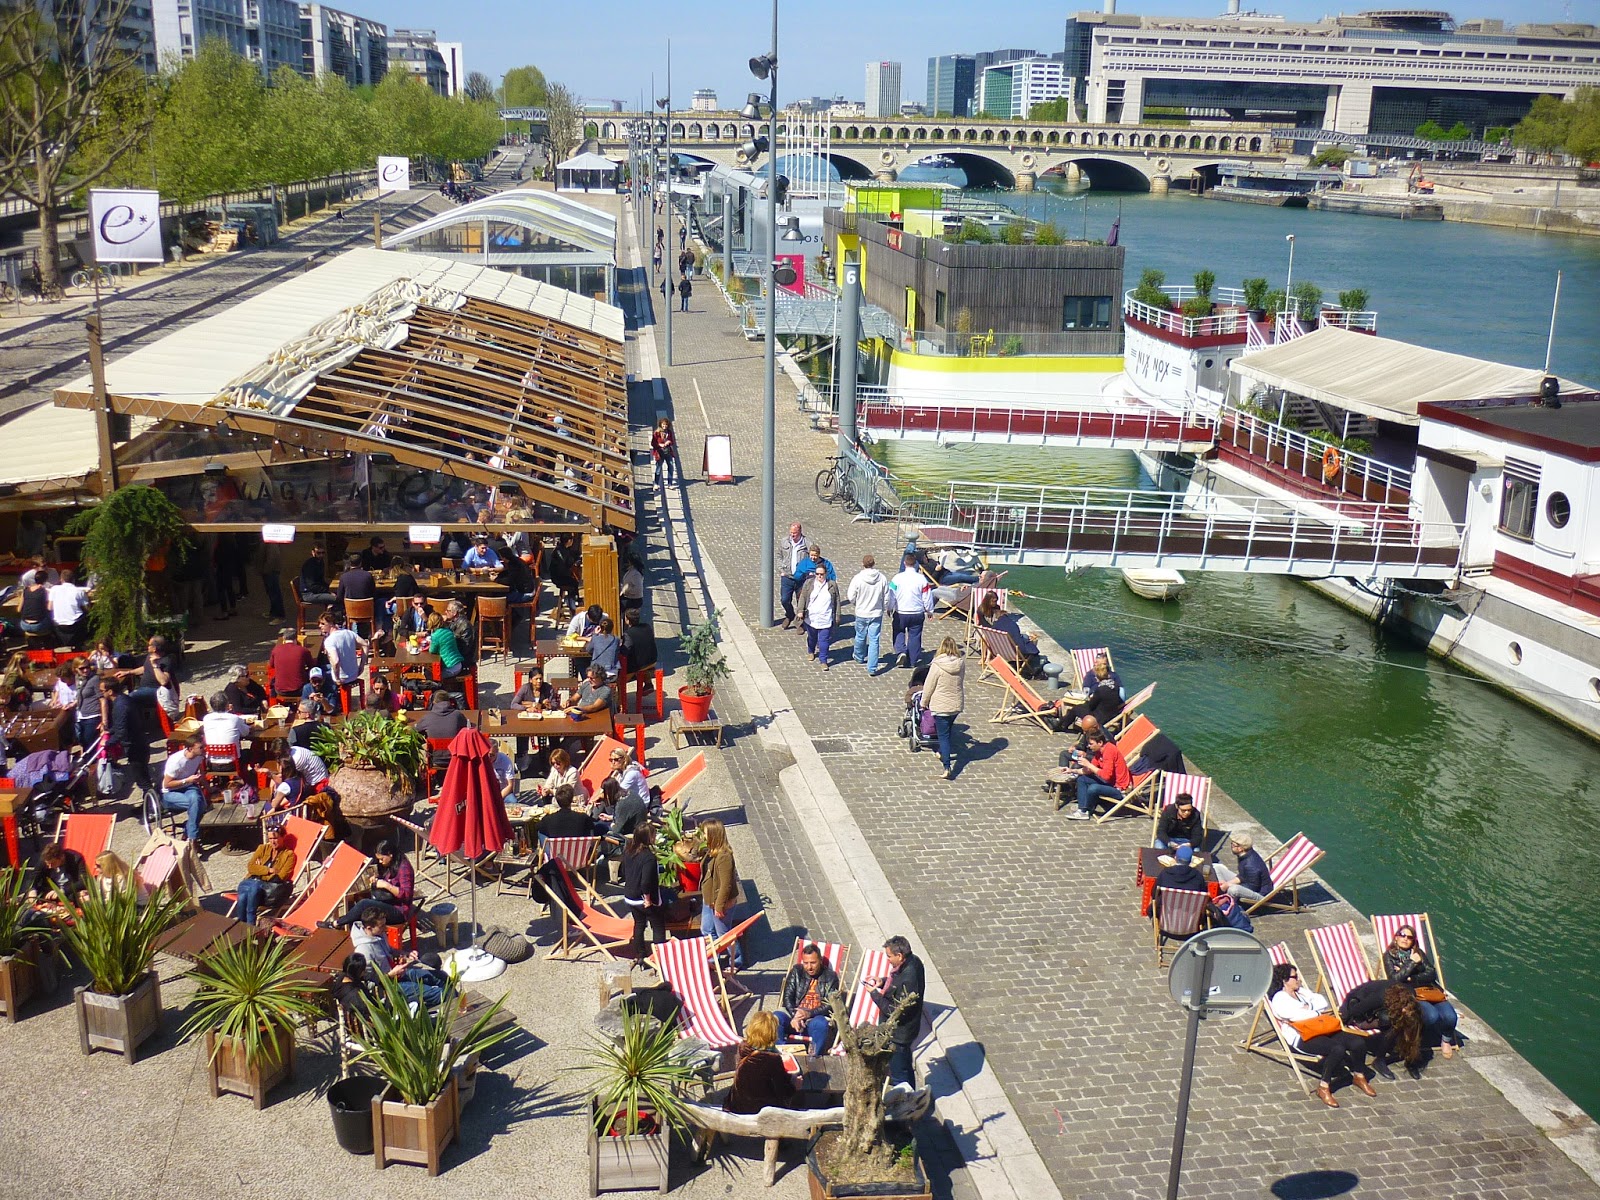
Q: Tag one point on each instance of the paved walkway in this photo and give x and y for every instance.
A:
(1032, 922)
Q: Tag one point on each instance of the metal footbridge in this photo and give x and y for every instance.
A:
(1074, 527)
(1107, 425)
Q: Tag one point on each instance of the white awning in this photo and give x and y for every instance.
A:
(46, 445)
(1383, 378)
(588, 162)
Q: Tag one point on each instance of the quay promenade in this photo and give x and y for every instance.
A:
(1031, 921)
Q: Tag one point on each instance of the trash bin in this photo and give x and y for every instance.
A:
(351, 1102)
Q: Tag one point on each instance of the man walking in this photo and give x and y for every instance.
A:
(867, 593)
(910, 588)
(793, 552)
(906, 981)
(685, 290)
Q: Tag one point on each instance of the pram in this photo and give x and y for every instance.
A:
(917, 726)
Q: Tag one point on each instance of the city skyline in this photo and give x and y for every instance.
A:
(711, 49)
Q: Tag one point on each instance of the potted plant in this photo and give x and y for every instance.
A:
(1354, 300)
(1149, 291)
(637, 1102)
(676, 849)
(1255, 297)
(705, 668)
(121, 536)
(412, 1050)
(379, 757)
(1307, 301)
(1276, 301)
(24, 938)
(247, 999)
(867, 1157)
(113, 934)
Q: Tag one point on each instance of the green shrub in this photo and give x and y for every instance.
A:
(1354, 299)
(1197, 306)
(1255, 293)
(1150, 292)
(1204, 281)
(1307, 301)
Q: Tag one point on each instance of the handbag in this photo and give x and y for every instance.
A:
(1315, 1027)
(1430, 995)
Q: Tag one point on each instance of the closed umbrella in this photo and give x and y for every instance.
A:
(472, 817)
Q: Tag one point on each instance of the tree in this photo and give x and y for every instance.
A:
(1059, 109)
(208, 131)
(565, 121)
(1431, 130)
(479, 88)
(524, 87)
(120, 536)
(1331, 156)
(862, 1150)
(1546, 126)
(1459, 132)
(73, 103)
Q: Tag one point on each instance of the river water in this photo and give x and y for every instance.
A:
(1428, 789)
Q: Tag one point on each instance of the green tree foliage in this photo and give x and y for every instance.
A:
(120, 535)
(1331, 156)
(1151, 289)
(1432, 130)
(1051, 110)
(1047, 235)
(208, 135)
(1563, 126)
(1014, 234)
(524, 87)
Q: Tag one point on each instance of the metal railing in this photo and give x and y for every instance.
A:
(867, 484)
(1308, 456)
(1127, 424)
(1231, 318)
(1107, 523)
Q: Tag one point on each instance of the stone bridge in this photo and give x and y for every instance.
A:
(1003, 154)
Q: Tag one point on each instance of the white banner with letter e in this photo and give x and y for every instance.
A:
(394, 174)
(126, 225)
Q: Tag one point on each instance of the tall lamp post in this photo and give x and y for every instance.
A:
(1288, 282)
(765, 66)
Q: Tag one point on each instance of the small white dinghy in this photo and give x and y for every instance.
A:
(1155, 583)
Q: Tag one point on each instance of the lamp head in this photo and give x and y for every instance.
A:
(791, 230)
(752, 149)
(752, 107)
(663, 102)
(761, 65)
(1289, 237)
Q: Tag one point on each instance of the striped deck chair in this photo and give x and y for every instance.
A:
(672, 790)
(1083, 663)
(1173, 784)
(1341, 961)
(321, 900)
(156, 867)
(577, 854)
(835, 954)
(1384, 928)
(1132, 739)
(996, 646)
(582, 921)
(690, 970)
(304, 838)
(1266, 1036)
(597, 766)
(1141, 797)
(1021, 702)
(1176, 915)
(863, 1008)
(1116, 724)
(87, 833)
(1284, 867)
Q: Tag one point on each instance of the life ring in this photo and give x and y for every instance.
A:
(887, 158)
(1332, 462)
(1027, 159)
(1163, 165)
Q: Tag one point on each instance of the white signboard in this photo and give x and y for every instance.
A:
(424, 535)
(394, 174)
(278, 535)
(717, 466)
(126, 225)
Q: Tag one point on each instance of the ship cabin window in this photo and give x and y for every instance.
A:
(1518, 505)
(941, 303)
(1086, 312)
(1558, 510)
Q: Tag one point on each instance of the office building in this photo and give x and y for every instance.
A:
(417, 51)
(264, 31)
(984, 59)
(1376, 72)
(1012, 89)
(333, 42)
(704, 100)
(82, 23)
(952, 80)
(883, 89)
(455, 73)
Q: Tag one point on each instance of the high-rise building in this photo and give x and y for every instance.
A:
(417, 51)
(83, 22)
(883, 89)
(952, 79)
(455, 72)
(704, 100)
(333, 42)
(985, 59)
(264, 31)
(1013, 88)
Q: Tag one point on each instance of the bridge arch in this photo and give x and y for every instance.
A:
(852, 133)
(982, 171)
(921, 133)
(608, 130)
(849, 168)
(869, 133)
(1106, 174)
(904, 134)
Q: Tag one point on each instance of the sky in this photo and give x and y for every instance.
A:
(607, 49)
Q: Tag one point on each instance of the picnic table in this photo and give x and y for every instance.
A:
(504, 722)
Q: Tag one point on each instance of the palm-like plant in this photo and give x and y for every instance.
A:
(114, 935)
(373, 739)
(252, 993)
(19, 920)
(638, 1075)
(411, 1047)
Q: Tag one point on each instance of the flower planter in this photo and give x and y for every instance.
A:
(233, 1072)
(622, 1163)
(696, 705)
(119, 1023)
(824, 1188)
(414, 1133)
(19, 982)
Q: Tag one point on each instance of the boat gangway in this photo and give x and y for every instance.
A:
(1122, 424)
(1030, 525)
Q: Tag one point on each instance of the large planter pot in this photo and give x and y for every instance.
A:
(624, 1163)
(696, 705)
(19, 981)
(824, 1188)
(367, 795)
(232, 1071)
(119, 1023)
(414, 1133)
(350, 1107)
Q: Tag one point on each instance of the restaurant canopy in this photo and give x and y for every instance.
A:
(418, 381)
(587, 173)
(1382, 378)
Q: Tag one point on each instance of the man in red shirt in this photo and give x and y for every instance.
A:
(1103, 775)
(289, 665)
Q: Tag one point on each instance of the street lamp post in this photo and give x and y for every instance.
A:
(1288, 281)
(766, 67)
(665, 105)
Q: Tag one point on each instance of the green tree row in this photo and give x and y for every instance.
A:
(1564, 126)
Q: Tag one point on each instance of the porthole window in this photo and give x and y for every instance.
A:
(1514, 653)
(1558, 510)
(1594, 686)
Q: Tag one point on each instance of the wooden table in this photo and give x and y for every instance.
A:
(225, 822)
(551, 647)
(11, 799)
(1148, 869)
(322, 951)
(683, 731)
(503, 722)
(199, 934)
(434, 584)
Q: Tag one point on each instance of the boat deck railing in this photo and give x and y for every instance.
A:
(1314, 459)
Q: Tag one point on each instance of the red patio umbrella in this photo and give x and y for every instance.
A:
(472, 817)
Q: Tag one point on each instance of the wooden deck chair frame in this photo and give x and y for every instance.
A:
(837, 954)
(306, 836)
(435, 870)
(1340, 959)
(79, 831)
(576, 870)
(1181, 909)
(1116, 724)
(1298, 845)
(689, 967)
(597, 765)
(1266, 1037)
(672, 790)
(1142, 797)
(1132, 739)
(1384, 925)
(724, 940)
(1174, 784)
(603, 929)
(996, 645)
(1083, 662)
(322, 897)
(1020, 703)
(149, 887)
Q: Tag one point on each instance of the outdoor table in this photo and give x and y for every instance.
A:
(1058, 783)
(1147, 868)
(395, 665)
(322, 951)
(683, 731)
(227, 822)
(11, 799)
(38, 730)
(555, 647)
(502, 722)
(198, 934)
(821, 1075)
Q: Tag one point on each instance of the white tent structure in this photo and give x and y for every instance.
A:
(588, 173)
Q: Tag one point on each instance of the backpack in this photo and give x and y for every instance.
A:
(1229, 913)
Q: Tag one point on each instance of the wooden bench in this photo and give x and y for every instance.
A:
(684, 731)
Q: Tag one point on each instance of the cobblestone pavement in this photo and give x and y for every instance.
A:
(1033, 921)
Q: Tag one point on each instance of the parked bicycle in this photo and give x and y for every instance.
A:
(85, 277)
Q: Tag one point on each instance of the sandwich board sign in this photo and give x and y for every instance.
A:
(716, 463)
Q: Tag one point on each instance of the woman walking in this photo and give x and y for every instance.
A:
(664, 452)
(641, 888)
(719, 888)
(819, 606)
(943, 695)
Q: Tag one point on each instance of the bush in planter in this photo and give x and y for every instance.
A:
(1150, 290)
(705, 667)
(22, 942)
(120, 536)
(639, 1078)
(1307, 301)
(364, 744)
(1354, 300)
(1275, 302)
(1255, 294)
(410, 1047)
(1204, 281)
(1197, 306)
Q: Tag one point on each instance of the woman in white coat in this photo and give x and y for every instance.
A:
(943, 695)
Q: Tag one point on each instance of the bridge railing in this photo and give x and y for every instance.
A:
(994, 343)
(1309, 457)
(1127, 424)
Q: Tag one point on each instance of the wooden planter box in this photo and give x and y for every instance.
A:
(822, 1188)
(19, 982)
(627, 1164)
(230, 1071)
(414, 1133)
(119, 1023)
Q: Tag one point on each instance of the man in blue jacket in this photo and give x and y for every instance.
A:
(1253, 880)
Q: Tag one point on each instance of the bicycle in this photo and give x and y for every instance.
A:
(85, 277)
(828, 481)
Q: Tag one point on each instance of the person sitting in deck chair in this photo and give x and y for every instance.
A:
(803, 1000)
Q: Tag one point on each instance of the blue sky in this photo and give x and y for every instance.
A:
(608, 48)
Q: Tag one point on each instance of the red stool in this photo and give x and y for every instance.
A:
(344, 694)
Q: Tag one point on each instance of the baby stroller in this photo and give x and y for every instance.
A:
(917, 726)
